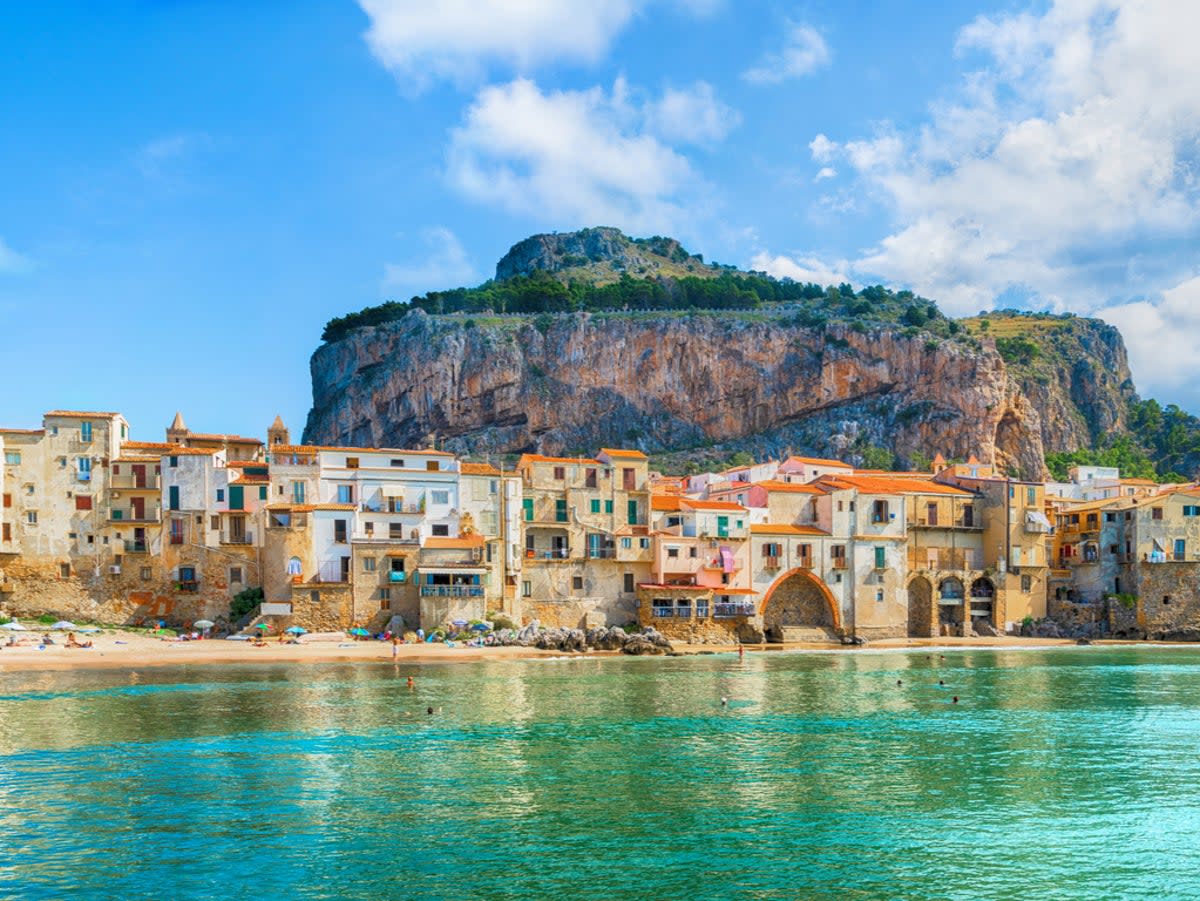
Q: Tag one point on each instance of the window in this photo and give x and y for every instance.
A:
(608, 506)
(626, 543)
(397, 462)
(526, 589)
(837, 553)
(31, 517)
(1156, 513)
(220, 495)
(85, 432)
(173, 462)
(12, 458)
(931, 514)
(235, 575)
(629, 479)
(771, 549)
(176, 531)
(339, 531)
(345, 494)
(1026, 584)
(6, 534)
(879, 512)
(352, 462)
(64, 570)
(395, 530)
(84, 468)
(589, 478)
(560, 473)
(968, 515)
(527, 508)
(368, 564)
(173, 497)
(643, 543)
(692, 552)
(385, 594)
(8, 500)
(440, 530)
(841, 506)
(560, 510)
(147, 573)
(439, 497)
(672, 552)
(431, 465)
(262, 492)
(879, 594)
(629, 586)
(1187, 511)
(632, 512)
(1180, 549)
(880, 557)
(577, 583)
(595, 505)
(83, 502)
(1030, 496)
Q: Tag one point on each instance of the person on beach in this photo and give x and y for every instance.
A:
(395, 647)
(741, 651)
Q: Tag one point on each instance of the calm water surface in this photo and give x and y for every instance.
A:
(1070, 773)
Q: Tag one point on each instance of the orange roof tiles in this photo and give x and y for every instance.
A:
(316, 448)
(793, 487)
(168, 450)
(260, 478)
(23, 431)
(229, 439)
(727, 590)
(817, 461)
(767, 528)
(666, 502)
(887, 484)
(239, 464)
(711, 505)
(627, 454)
(467, 541)
(478, 469)
(540, 458)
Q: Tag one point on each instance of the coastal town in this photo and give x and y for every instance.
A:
(98, 527)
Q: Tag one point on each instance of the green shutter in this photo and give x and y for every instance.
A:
(527, 504)
(633, 513)
(237, 497)
(595, 505)
(173, 495)
(722, 526)
(560, 511)
(608, 507)
(880, 558)
(262, 492)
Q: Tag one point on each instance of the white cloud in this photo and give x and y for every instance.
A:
(444, 264)
(570, 158)
(825, 172)
(1065, 170)
(803, 53)
(800, 269)
(422, 41)
(11, 261)
(692, 115)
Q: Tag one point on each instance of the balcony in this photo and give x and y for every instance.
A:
(134, 482)
(728, 611)
(395, 576)
(385, 509)
(1161, 557)
(944, 559)
(83, 475)
(331, 573)
(136, 547)
(601, 553)
(248, 538)
(187, 586)
(129, 514)
(839, 563)
(558, 553)
(452, 591)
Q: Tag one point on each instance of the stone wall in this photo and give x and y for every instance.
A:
(1168, 600)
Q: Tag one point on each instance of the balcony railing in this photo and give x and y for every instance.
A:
(189, 586)
(561, 553)
(601, 553)
(136, 547)
(394, 576)
(452, 591)
(669, 612)
(727, 611)
(839, 563)
(1161, 557)
(248, 538)
(392, 508)
(771, 561)
(944, 559)
(129, 481)
(128, 514)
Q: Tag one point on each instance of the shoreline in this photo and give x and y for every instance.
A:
(132, 651)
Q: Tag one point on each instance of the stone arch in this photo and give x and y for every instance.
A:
(921, 615)
(799, 599)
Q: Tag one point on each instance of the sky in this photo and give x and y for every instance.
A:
(190, 189)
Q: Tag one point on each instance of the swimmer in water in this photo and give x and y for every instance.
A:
(429, 710)
(724, 702)
(411, 683)
(956, 699)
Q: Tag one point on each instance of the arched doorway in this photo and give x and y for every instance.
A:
(920, 608)
(983, 596)
(800, 607)
(950, 606)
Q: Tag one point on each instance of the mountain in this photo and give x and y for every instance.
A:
(593, 339)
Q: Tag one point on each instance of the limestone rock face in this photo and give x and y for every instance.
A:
(570, 383)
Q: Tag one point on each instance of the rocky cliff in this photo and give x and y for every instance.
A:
(734, 381)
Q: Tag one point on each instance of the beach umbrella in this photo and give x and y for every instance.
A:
(481, 627)
(297, 630)
(14, 627)
(262, 626)
(203, 624)
(459, 622)
(63, 626)
(358, 630)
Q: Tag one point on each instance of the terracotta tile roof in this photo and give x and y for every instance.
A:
(728, 590)
(767, 528)
(711, 505)
(137, 459)
(627, 454)
(330, 507)
(316, 448)
(1138, 482)
(23, 431)
(666, 502)
(539, 458)
(169, 450)
(478, 469)
(467, 541)
(241, 464)
(791, 487)
(817, 461)
(229, 439)
(256, 477)
(888, 484)
(85, 414)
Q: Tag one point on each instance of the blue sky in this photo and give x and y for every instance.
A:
(189, 190)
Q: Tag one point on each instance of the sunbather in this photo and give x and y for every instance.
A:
(73, 643)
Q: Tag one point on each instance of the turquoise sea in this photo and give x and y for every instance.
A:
(1070, 773)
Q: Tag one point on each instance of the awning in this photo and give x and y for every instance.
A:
(1037, 518)
(451, 568)
(391, 490)
(727, 564)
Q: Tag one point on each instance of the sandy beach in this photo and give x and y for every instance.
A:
(120, 649)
